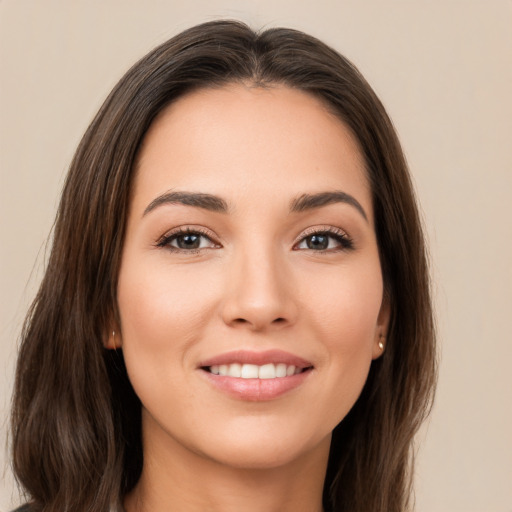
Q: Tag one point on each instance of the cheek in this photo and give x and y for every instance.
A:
(162, 315)
(346, 320)
(347, 306)
(157, 304)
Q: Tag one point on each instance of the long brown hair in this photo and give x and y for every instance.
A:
(76, 432)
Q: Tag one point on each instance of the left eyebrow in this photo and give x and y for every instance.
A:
(214, 203)
(311, 201)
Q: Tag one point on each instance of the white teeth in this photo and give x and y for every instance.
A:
(235, 370)
(249, 371)
(253, 371)
(267, 371)
(280, 370)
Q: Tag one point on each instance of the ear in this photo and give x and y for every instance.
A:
(381, 329)
(112, 340)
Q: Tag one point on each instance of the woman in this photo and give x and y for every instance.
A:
(236, 309)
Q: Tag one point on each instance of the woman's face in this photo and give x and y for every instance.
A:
(250, 290)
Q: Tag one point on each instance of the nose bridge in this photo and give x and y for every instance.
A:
(259, 290)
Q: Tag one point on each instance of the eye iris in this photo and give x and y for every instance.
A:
(318, 242)
(188, 241)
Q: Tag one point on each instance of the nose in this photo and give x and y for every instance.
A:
(260, 292)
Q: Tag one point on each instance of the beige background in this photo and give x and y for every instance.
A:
(444, 71)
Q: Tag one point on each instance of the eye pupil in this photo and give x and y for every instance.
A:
(188, 241)
(318, 241)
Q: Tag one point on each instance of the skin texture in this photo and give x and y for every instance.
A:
(254, 284)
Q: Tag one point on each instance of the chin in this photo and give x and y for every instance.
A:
(259, 455)
(260, 445)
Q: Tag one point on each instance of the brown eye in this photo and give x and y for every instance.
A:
(326, 241)
(186, 240)
(317, 242)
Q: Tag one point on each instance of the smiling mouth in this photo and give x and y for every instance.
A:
(256, 376)
(253, 371)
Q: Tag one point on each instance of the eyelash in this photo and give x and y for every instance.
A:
(337, 234)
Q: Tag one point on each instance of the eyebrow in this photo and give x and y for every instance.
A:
(206, 201)
(216, 204)
(312, 201)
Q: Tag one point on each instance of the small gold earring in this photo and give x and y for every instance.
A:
(381, 344)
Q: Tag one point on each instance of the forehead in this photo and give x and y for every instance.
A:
(240, 141)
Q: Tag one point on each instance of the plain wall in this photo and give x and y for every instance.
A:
(442, 68)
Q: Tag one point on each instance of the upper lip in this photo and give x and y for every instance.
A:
(257, 358)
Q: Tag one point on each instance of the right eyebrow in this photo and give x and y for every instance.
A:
(199, 200)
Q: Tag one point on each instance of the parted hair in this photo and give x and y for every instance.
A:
(76, 421)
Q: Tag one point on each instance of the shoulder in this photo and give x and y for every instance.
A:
(23, 508)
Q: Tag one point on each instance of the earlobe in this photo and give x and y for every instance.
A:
(379, 346)
(382, 328)
(113, 341)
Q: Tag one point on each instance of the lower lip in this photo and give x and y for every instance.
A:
(256, 390)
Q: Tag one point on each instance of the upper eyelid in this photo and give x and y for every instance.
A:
(322, 229)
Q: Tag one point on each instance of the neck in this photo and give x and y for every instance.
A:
(175, 479)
